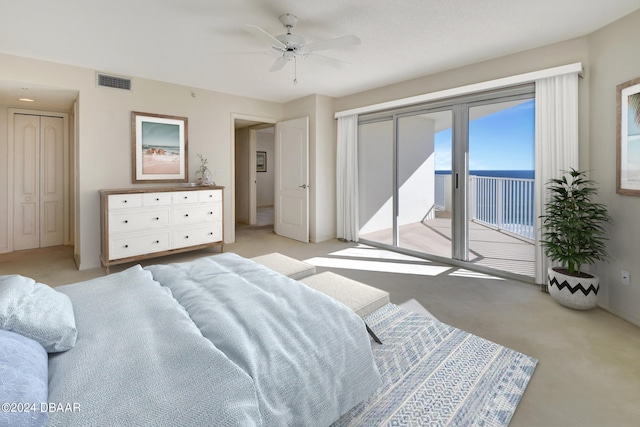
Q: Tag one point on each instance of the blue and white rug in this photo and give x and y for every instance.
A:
(436, 375)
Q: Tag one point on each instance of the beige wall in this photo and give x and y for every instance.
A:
(104, 134)
(614, 60)
(265, 181)
(322, 162)
(243, 183)
(4, 181)
(325, 161)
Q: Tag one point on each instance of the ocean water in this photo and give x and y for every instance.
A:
(528, 174)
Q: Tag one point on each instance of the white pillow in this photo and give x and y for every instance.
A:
(36, 311)
(23, 380)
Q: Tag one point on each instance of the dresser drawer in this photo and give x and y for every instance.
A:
(137, 220)
(191, 236)
(156, 199)
(210, 196)
(183, 197)
(125, 201)
(197, 214)
(133, 244)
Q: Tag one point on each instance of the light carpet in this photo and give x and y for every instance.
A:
(438, 375)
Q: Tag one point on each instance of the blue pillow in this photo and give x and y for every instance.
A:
(23, 381)
(38, 312)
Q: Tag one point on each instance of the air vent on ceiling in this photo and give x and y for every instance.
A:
(106, 80)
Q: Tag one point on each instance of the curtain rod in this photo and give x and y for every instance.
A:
(465, 90)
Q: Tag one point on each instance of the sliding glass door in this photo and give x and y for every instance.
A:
(404, 173)
(501, 185)
(421, 176)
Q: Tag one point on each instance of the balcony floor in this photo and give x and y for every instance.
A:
(488, 247)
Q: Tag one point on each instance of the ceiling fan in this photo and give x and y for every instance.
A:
(290, 47)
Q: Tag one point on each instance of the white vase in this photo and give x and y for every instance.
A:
(206, 179)
(577, 292)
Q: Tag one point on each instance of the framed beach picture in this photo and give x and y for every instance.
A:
(261, 161)
(628, 138)
(159, 148)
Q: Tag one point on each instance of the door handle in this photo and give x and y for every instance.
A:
(303, 186)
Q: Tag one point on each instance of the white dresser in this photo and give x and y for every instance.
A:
(137, 224)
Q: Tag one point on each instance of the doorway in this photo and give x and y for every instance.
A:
(39, 159)
(254, 174)
(291, 187)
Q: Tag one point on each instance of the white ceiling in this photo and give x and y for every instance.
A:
(204, 43)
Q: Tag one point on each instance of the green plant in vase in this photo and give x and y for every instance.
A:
(574, 235)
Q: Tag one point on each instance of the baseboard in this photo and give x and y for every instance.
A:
(323, 238)
(621, 314)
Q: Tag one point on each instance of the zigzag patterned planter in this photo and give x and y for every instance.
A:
(580, 293)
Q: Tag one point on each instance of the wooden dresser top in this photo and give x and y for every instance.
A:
(107, 192)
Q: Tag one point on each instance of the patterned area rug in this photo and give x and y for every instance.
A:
(437, 375)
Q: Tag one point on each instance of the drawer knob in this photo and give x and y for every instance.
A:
(124, 201)
(186, 237)
(157, 199)
(186, 197)
(157, 218)
(186, 214)
(157, 241)
(126, 221)
(210, 213)
(126, 246)
(211, 233)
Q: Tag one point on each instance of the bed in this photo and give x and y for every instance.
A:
(226, 341)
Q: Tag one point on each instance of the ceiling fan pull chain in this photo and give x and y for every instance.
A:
(295, 70)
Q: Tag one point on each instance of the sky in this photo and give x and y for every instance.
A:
(160, 134)
(500, 141)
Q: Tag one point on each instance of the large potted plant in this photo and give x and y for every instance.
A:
(574, 236)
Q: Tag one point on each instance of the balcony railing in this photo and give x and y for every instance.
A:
(440, 194)
(502, 203)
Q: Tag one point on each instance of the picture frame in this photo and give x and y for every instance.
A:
(628, 138)
(159, 147)
(261, 161)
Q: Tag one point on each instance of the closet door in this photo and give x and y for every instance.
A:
(38, 181)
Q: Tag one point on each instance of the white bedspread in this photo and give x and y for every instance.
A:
(221, 341)
(308, 356)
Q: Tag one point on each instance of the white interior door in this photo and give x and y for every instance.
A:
(38, 181)
(292, 179)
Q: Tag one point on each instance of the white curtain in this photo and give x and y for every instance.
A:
(556, 146)
(347, 178)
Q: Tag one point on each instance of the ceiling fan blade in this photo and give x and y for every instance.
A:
(333, 43)
(262, 34)
(336, 63)
(279, 64)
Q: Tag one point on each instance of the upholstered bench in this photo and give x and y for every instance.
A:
(361, 298)
(285, 265)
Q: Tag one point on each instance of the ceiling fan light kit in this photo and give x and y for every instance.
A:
(290, 47)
